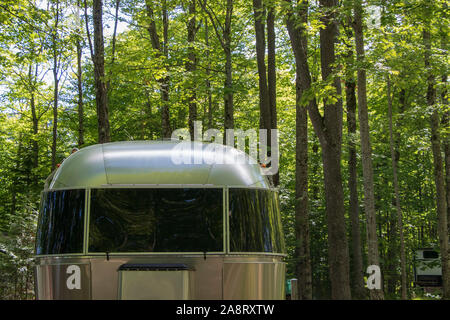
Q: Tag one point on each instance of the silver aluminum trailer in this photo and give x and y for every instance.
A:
(124, 220)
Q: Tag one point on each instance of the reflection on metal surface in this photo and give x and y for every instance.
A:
(155, 282)
(216, 277)
(253, 280)
(151, 162)
(140, 285)
(63, 281)
(156, 220)
(60, 224)
(255, 222)
(83, 168)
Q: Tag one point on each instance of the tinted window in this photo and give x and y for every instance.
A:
(156, 220)
(255, 222)
(428, 254)
(61, 221)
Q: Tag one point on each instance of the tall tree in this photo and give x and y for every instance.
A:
(34, 117)
(329, 130)
(191, 66)
(357, 275)
(397, 195)
(296, 23)
(113, 45)
(369, 196)
(443, 29)
(163, 51)
(208, 74)
(445, 124)
(56, 70)
(264, 106)
(79, 76)
(267, 76)
(98, 59)
(441, 201)
(224, 38)
(272, 75)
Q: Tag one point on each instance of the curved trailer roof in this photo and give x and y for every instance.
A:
(158, 163)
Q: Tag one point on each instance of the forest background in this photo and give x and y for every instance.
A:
(358, 91)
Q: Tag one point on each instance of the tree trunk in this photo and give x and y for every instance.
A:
(80, 96)
(55, 115)
(390, 266)
(264, 107)
(113, 44)
(191, 67)
(113, 47)
(162, 50)
(445, 118)
(356, 260)
(369, 197)
(446, 139)
(302, 248)
(166, 80)
(208, 73)
(34, 119)
(267, 76)
(56, 58)
(303, 83)
(272, 79)
(331, 140)
(148, 114)
(397, 196)
(225, 41)
(15, 180)
(441, 201)
(101, 92)
(271, 66)
(265, 121)
(357, 274)
(80, 84)
(229, 112)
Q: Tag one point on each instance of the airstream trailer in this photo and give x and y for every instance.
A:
(427, 268)
(123, 220)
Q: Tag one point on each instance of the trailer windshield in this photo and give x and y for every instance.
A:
(156, 220)
(159, 220)
(61, 221)
(255, 222)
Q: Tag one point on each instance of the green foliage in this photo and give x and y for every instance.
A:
(16, 254)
